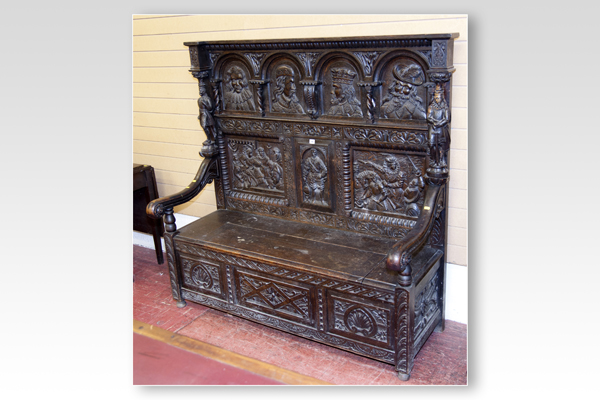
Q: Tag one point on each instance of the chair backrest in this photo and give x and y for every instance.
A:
(343, 133)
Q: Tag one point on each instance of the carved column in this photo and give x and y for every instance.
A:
(260, 93)
(311, 96)
(206, 109)
(170, 233)
(402, 332)
(370, 89)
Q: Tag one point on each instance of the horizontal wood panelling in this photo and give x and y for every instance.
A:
(457, 217)
(174, 121)
(460, 139)
(163, 75)
(220, 23)
(458, 159)
(165, 149)
(457, 255)
(458, 178)
(167, 106)
(457, 198)
(176, 58)
(168, 163)
(166, 135)
(166, 90)
(457, 236)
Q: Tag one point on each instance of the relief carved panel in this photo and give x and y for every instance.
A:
(403, 92)
(351, 319)
(237, 95)
(388, 182)
(341, 92)
(256, 165)
(202, 276)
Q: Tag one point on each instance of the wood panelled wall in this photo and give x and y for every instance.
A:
(166, 132)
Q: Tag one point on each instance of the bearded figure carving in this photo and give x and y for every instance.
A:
(343, 95)
(284, 96)
(402, 102)
(237, 96)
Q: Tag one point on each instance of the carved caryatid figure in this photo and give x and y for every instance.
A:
(402, 101)
(205, 105)
(237, 96)
(438, 116)
(284, 96)
(343, 95)
(314, 176)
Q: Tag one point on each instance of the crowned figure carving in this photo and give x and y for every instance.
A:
(237, 96)
(402, 102)
(284, 96)
(343, 95)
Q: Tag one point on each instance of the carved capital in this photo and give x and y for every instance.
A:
(310, 96)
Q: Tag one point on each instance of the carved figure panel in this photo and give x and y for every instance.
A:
(276, 297)
(388, 182)
(237, 94)
(403, 92)
(341, 94)
(256, 165)
(284, 96)
(314, 173)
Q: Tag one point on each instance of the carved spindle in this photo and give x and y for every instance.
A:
(170, 221)
(260, 94)
(215, 83)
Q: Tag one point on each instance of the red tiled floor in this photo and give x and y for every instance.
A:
(441, 361)
(157, 363)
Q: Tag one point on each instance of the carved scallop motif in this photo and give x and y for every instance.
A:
(360, 321)
(201, 277)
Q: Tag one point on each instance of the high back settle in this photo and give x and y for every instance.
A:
(330, 164)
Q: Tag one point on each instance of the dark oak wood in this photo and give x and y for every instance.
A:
(144, 191)
(330, 163)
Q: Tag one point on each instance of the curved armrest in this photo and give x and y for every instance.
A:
(400, 255)
(206, 173)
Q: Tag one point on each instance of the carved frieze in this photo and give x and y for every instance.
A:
(249, 126)
(388, 182)
(386, 135)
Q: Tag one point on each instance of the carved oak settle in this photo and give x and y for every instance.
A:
(330, 163)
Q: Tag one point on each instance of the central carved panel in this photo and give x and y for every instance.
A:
(288, 300)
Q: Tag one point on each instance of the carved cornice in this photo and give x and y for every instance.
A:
(325, 44)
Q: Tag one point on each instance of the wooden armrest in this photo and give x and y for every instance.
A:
(206, 173)
(399, 257)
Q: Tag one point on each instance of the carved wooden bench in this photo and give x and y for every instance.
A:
(330, 163)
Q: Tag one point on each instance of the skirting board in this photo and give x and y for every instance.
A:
(456, 278)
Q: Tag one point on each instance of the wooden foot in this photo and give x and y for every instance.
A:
(403, 377)
(181, 304)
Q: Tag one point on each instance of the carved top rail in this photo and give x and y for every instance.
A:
(349, 133)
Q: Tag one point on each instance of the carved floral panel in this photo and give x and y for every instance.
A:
(359, 320)
(202, 276)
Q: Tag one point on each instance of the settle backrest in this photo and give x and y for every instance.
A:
(351, 134)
